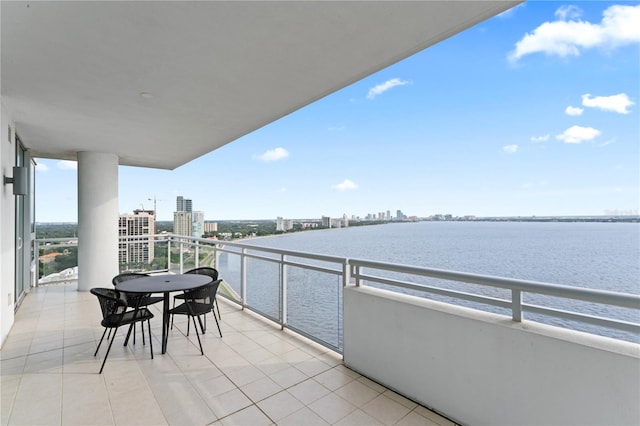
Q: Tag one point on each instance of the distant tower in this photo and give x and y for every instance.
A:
(197, 224)
(136, 250)
(183, 204)
(182, 223)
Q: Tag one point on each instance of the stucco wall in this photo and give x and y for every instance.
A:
(7, 224)
(483, 369)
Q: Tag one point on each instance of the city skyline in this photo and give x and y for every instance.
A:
(531, 113)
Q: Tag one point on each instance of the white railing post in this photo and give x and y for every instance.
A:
(283, 292)
(356, 272)
(346, 273)
(243, 277)
(196, 262)
(516, 305)
(181, 256)
(168, 254)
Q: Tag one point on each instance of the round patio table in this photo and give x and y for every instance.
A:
(164, 284)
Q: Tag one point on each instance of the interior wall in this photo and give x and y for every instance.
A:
(484, 369)
(7, 223)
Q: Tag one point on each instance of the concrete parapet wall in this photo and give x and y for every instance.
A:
(484, 369)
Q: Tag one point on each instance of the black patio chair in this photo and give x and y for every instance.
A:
(135, 300)
(213, 273)
(197, 302)
(115, 313)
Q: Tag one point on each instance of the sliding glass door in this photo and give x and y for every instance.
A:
(25, 228)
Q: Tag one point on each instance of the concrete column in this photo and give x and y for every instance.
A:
(97, 219)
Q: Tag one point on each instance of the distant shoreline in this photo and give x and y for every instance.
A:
(607, 219)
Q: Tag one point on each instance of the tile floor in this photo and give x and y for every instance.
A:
(256, 374)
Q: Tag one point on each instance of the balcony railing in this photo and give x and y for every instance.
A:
(303, 291)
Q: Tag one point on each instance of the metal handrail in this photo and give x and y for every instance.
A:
(352, 272)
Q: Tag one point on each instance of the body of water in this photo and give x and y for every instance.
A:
(593, 255)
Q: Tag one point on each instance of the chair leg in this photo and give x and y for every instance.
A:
(102, 338)
(215, 301)
(126, 340)
(203, 328)
(108, 349)
(174, 305)
(142, 330)
(150, 341)
(217, 323)
(197, 334)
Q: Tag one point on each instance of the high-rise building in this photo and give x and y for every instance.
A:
(182, 223)
(210, 226)
(183, 204)
(197, 224)
(133, 251)
(399, 215)
(283, 225)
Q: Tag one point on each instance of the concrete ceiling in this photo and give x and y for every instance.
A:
(76, 75)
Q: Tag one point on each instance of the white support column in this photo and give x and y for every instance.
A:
(97, 219)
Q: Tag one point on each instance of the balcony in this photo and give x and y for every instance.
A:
(420, 348)
(256, 374)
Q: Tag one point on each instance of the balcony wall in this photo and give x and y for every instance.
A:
(7, 224)
(480, 368)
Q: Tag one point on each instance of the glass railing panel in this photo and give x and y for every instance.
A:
(160, 256)
(206, 256)
(228, 266)
(57, 261)
(263, 287)
(314, 304)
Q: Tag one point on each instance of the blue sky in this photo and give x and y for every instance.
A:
(534, 112)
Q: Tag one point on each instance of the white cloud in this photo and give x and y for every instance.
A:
(336, 128)
(345, 185)
(609, 142)
(571, 110)
(282, 190)
(510, 148)
(67, 165)
(620, 26)
(41, 167)
(383, 87)
(540, 138)
(274, 155)
(568, 12)
(616, 103)
(578, 134)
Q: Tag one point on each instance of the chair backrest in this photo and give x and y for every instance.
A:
(111, 303)
(204, 296)
(205, 270)
(126, 276)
